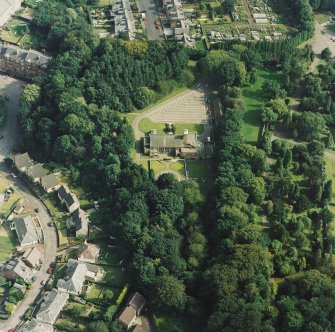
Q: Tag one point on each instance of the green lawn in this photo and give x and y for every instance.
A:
(322, 17)
(114, 277)
(253, 101)
(331, 27)
(330, 170)
(146, 125)
(199, 169)
(7, 242)
(96, 294)
(107, 257)
(157, 166)
(179, 167)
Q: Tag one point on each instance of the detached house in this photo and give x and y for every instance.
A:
(52, 305)
(88, 252)
(26, 231)
(35, 326)
(135, 305)
(22, 161)
(50, 183)
(76, 274)
(80, 221)
(32, 257)
(67, 198)
(36, 172)
(17, 269)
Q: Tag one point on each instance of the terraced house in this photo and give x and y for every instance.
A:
(22, 63)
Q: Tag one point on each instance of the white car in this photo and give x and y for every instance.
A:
(13, 175)
(43, 282)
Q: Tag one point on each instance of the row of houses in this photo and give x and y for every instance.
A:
(49, 182)
(8, 8)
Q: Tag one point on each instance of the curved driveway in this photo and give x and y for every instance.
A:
(10, 134)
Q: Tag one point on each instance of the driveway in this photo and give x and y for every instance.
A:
(11, 136)
(151, 15)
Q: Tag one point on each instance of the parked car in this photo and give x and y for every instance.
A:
(37, 210)
(33, 279)
(13, 175)
(50, 270)
(50, 224)
(43, 282)
(53, 265)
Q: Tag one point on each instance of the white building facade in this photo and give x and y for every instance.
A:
(8, 8)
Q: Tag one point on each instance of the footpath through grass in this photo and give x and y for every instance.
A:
(253, 101)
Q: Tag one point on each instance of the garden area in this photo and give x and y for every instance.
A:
(253, 99)
(7, 243)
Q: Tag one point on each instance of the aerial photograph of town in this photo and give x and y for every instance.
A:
(167, 165)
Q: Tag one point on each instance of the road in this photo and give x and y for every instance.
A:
(151, 15)
(11, 136)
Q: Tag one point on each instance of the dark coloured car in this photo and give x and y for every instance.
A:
(50, 224)
(37, 210)
(53, 265)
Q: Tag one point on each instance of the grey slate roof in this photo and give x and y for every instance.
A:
(36, 171)
(71, 199)
(80, 221)
(137, 301)
(51, 306)
(49, 181)
(172, 141)
(22, 160)
(34, 326)
(74, 276)
(22, 270)
(63, 191)
(25, 230)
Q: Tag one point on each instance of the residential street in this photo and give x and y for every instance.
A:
(10, 136)
(151, 15)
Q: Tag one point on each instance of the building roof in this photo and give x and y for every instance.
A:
(25, 230)
(18, 54)
(52, 305)
(35, 326)
(71, 199)
(49, 181)
(127, 315)
(33, 256)
(63, 191)
(21, 269)
(88, 251)
(137, 301)
(138, 328)
(80, 221)
(22, 160)
(36, 171)
(74, 276)
(172, 141)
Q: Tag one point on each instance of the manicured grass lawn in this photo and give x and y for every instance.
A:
(107, 257)
(157, 166)
(130, 116)
(322, 17)
(97, 293)
(7, 242)
(253, 101)
(199, 169)
(179, 167)
(330, 170)
(144, 164)
(167, 324)
(114, 277)
(146, 125)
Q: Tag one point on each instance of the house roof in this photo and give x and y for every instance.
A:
(172, 141)
(36, 171)
(88, 251)
(63, 191)
(80, 221)
(33, 256)
(137, 301)
(74, 276)
(52, 305)
(21, 269)
(138, 328)
(22, 160)
(49, 181)
(35, 326)
(25, 230)
(71, 199)
(127, 315)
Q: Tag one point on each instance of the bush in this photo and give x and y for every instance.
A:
(122, 295)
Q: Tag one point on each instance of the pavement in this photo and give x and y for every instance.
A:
(151, 15)
(10, 134)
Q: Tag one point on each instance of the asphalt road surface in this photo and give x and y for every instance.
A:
(10, 136)
(151, 16)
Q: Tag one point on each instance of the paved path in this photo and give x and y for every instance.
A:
(11, 136)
